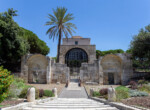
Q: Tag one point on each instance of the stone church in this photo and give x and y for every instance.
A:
(77, 59)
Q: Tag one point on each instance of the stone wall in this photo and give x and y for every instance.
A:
(60, 73)
(81, 41)
(35, 68)
(119, 66)
(89, 72)
(111, 64)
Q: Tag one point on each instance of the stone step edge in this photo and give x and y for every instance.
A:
(35, 106)
(108, 108)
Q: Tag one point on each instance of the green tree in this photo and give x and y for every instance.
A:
(12, 46)
(103, 53)
(98, 53)
(140, 47)
(12, 12)
(60, 25)
(16, 42)
(36, 45)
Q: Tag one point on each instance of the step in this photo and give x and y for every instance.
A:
(106, 108)
(67, 106)
(70, 103)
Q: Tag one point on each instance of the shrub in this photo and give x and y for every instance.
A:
(133, 84)
(104, 91)
(5, 81)
(41, 92)
(145, 88)
(36, 93)
(96, 94)
(23, 93)
(17, 79)
(142, 82)
(16, 87)
(136, 93)
(48, 93)
(122, 92)
(14, 91)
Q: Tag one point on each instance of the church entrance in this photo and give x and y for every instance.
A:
(73, 59)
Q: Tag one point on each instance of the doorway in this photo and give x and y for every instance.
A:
(110, 78)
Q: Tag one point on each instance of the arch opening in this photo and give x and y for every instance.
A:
(112, 69)
(74, 58)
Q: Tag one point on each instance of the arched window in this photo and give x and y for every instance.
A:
(75, 57)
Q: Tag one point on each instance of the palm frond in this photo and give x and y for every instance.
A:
(59, 21)
(68, 17)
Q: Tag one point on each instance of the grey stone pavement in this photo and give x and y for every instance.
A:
(73, 91)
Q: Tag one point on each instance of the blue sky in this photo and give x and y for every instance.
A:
(110, 24)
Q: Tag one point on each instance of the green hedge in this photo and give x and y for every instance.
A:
(48, 93)
(96, 94)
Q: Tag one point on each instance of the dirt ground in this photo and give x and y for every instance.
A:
(49, 86)
(138, 101)
(11, 102)
(97, 87)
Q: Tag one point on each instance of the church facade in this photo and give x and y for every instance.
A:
(77, 58)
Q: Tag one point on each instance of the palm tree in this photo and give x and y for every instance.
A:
(60, 25)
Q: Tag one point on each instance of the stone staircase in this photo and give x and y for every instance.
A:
(71, 104)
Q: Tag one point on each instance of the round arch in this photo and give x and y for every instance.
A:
(112, 69)
(75, 56)
(37, 68)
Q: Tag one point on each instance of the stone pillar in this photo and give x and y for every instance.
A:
(25, 73)
(48, 75)
(91, 92)
(111, 94)
(55, 92)
(31, 94)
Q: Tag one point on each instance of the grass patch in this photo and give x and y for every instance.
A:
(122, 92)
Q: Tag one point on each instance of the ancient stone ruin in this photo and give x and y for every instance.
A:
(77, 59)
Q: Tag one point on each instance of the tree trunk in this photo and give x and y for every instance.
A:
(58, 48)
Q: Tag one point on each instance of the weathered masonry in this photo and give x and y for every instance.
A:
(77, 58)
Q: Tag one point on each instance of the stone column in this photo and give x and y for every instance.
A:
(91, 92)
(111, 94)
(48, 75)
(55, 92)
(31, 94)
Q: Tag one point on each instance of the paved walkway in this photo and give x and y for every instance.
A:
(73, 91)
